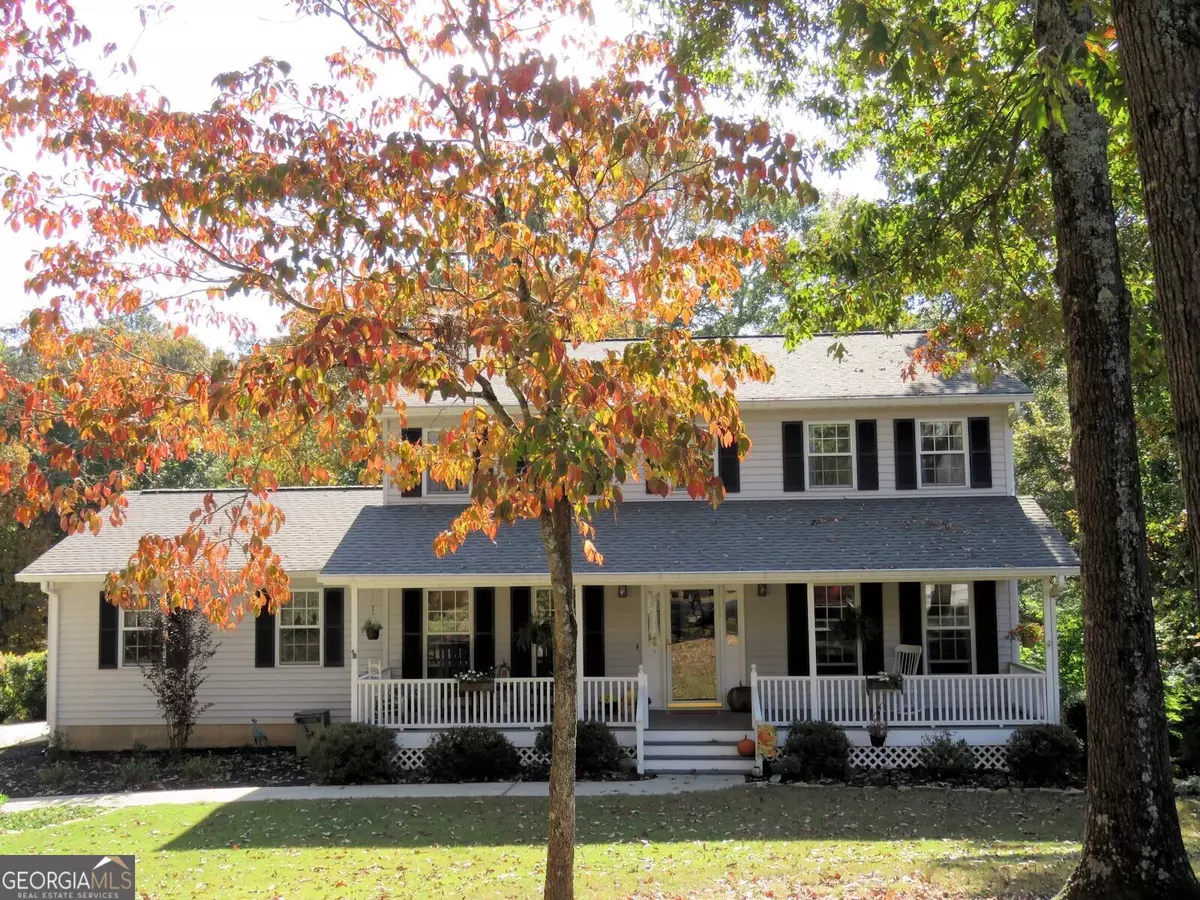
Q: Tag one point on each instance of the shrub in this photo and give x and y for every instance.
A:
(201, 768)
(352, 753)
(58, 745)
(23, 687)
(176, 672)
(1074, 714)
(471, 754)
(56, 775)
(1045, 754)
(943, 758)
(816, 750)
(132, 772)
(596, 748)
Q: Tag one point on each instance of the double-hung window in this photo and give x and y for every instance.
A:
(447, 633)
(948, 628)
(837, 650)
(432, 485)
(300, 630)
(943, 452)
(830, 454)
(141, 636)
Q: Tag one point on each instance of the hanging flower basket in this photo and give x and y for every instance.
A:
(371, 629)
(476, 683)
(885, 681)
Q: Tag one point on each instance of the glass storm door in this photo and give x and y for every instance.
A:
(692, 666)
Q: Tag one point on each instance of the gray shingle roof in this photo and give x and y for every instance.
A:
(317, 521)
(346, 531)
(739, 536)
(872, 367)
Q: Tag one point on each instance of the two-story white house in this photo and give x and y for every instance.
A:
(874, 526)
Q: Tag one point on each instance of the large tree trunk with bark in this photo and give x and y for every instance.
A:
(1132, 846)
(557, 535)
(1160, 59)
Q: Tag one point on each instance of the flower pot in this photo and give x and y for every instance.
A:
(371, 633)
(745, 747)
(476, 687)
(738, 699)
(878, 740)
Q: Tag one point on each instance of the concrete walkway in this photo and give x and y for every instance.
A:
(22, 733)
(664, 784)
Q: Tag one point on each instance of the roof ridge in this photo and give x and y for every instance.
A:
(236, 489)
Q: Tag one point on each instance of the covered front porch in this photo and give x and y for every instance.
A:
(646, 648)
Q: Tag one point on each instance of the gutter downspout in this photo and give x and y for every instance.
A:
(52, 615)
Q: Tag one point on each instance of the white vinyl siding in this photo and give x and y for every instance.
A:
(622, 631)
(765, 628)
(89, 695)
(761, 471)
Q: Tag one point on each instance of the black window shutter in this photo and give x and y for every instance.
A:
(593, 631)
(264, 639)
(871, 604)
(413, 436)
(987, 650)
(412, 625)
(793, 456)
(521, 599)
(905, 431)
(797, 629)
(980, 436)
(729, 468)
(110, 634)
(335, 629)
(485, 629)
(911, 616)
(866, 444)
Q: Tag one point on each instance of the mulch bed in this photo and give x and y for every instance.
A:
(30, 771)
(21, 770)
(981, 779)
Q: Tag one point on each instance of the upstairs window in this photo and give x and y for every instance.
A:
(432, 485)
(830, 454)
(943, 453)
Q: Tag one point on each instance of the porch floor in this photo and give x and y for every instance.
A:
(698, 720)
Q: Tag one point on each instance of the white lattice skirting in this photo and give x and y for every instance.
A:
(987, 756)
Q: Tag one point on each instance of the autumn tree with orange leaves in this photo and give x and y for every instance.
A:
(460, 239)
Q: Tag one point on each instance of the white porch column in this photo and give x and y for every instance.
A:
(578, 652)
(353, 653)
(1050, 625)
(52, 616)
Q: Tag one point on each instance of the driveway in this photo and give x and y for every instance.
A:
(22, 733)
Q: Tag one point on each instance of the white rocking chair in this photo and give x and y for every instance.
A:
(908, 659)
(374, 669)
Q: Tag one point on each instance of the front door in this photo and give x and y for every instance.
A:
(692, 650)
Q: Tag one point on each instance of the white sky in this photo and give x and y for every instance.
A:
(179, 54)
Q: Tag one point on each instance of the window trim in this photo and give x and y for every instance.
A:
(970, 629)
(320, 626)
(812, 598)
(124, 629)
(853, 454)
(470, 625)
(922, 453)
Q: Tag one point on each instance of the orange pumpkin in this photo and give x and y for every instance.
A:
(745, 747)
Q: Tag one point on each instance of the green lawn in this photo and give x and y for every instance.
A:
(836, 842)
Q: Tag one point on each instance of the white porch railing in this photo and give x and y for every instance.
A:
(511, 702)
(925, 700)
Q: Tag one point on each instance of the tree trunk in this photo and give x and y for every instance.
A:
(1132, 847)
(1160, 59)
(560, 850)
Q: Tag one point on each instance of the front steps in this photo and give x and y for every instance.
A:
(698, 752)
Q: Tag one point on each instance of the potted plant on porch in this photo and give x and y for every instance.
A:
(885, 681)
(371, 628)
(472, 682)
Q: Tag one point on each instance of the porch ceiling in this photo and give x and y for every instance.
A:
(968, 534)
